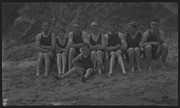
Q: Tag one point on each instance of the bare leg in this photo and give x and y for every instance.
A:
(71, 57)
(59, 63)
(148, 53)
(112, 61)
(120, 60)
(137, 56)
(159, 51)
(39, 63)
(70, 72)
(64, 60)
(130, 52)
(164, 55)
(47, 57)
(100, 56)
(93, 53)
(88, 73)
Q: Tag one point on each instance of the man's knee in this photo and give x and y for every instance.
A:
(130, 50)
(137, 50)
(64, 54)
(148, 47)
(112, 53)
(47, 55)
(93, 53)
(58, 55)
(118, 52)
(89, 70)
(165, 46)
(100, 53)
(41, 55)
(72, 50)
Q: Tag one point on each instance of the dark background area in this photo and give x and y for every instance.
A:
(21, 22)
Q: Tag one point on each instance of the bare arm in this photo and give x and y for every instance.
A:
(162, 35)
(91, 46)
(144, 39)
(75, 61)
(103, 42)
(99, 46)
(69, 44)
(123, 42)
(95, 59)
(38, 47)
(85, 39)
(53, 41)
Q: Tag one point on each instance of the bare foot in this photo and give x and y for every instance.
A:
(110, 74)
(63, 72)
(46, 74)
(149, 69)
(124, 72)
(139, 69)
(37, 74)
(164, 67)
(83, 79)
(100, 72)
(59, 74)
(132, 69)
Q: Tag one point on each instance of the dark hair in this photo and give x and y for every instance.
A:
(46, 21)
(155, 20)
(133, 24)
(63, 30)
(86, 44)
(114, 24)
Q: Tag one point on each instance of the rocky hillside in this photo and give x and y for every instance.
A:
(21, 21)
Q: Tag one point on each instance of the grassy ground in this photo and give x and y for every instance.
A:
(22, 87)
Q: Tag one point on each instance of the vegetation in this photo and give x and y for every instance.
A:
(21, 21)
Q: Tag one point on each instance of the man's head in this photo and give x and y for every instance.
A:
(76, 27)
(113, 27)
(62, 32)
(155, 23)
(85, 49)
(132, 27)
(94, 25)
(45, 26)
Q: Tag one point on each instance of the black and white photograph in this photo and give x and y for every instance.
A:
(89, 53)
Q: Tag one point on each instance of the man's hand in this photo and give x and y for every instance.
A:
(101, 48)
(156, 43)
(59, 50)
(108, 49)
(82, 69)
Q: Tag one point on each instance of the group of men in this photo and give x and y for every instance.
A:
(85, 53)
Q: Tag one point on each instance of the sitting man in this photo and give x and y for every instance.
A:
(154, 45)
(45, 43)
(133, 38)
(97, 43)
(115, 43)
(75, 41)
(83, 64)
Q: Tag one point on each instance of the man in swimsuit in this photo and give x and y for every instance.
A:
(133, 39)
(115, 44)
(45, 43)
(62, 51)
(154, 45)
(75, 42)
(97, 42)
(83, 64)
